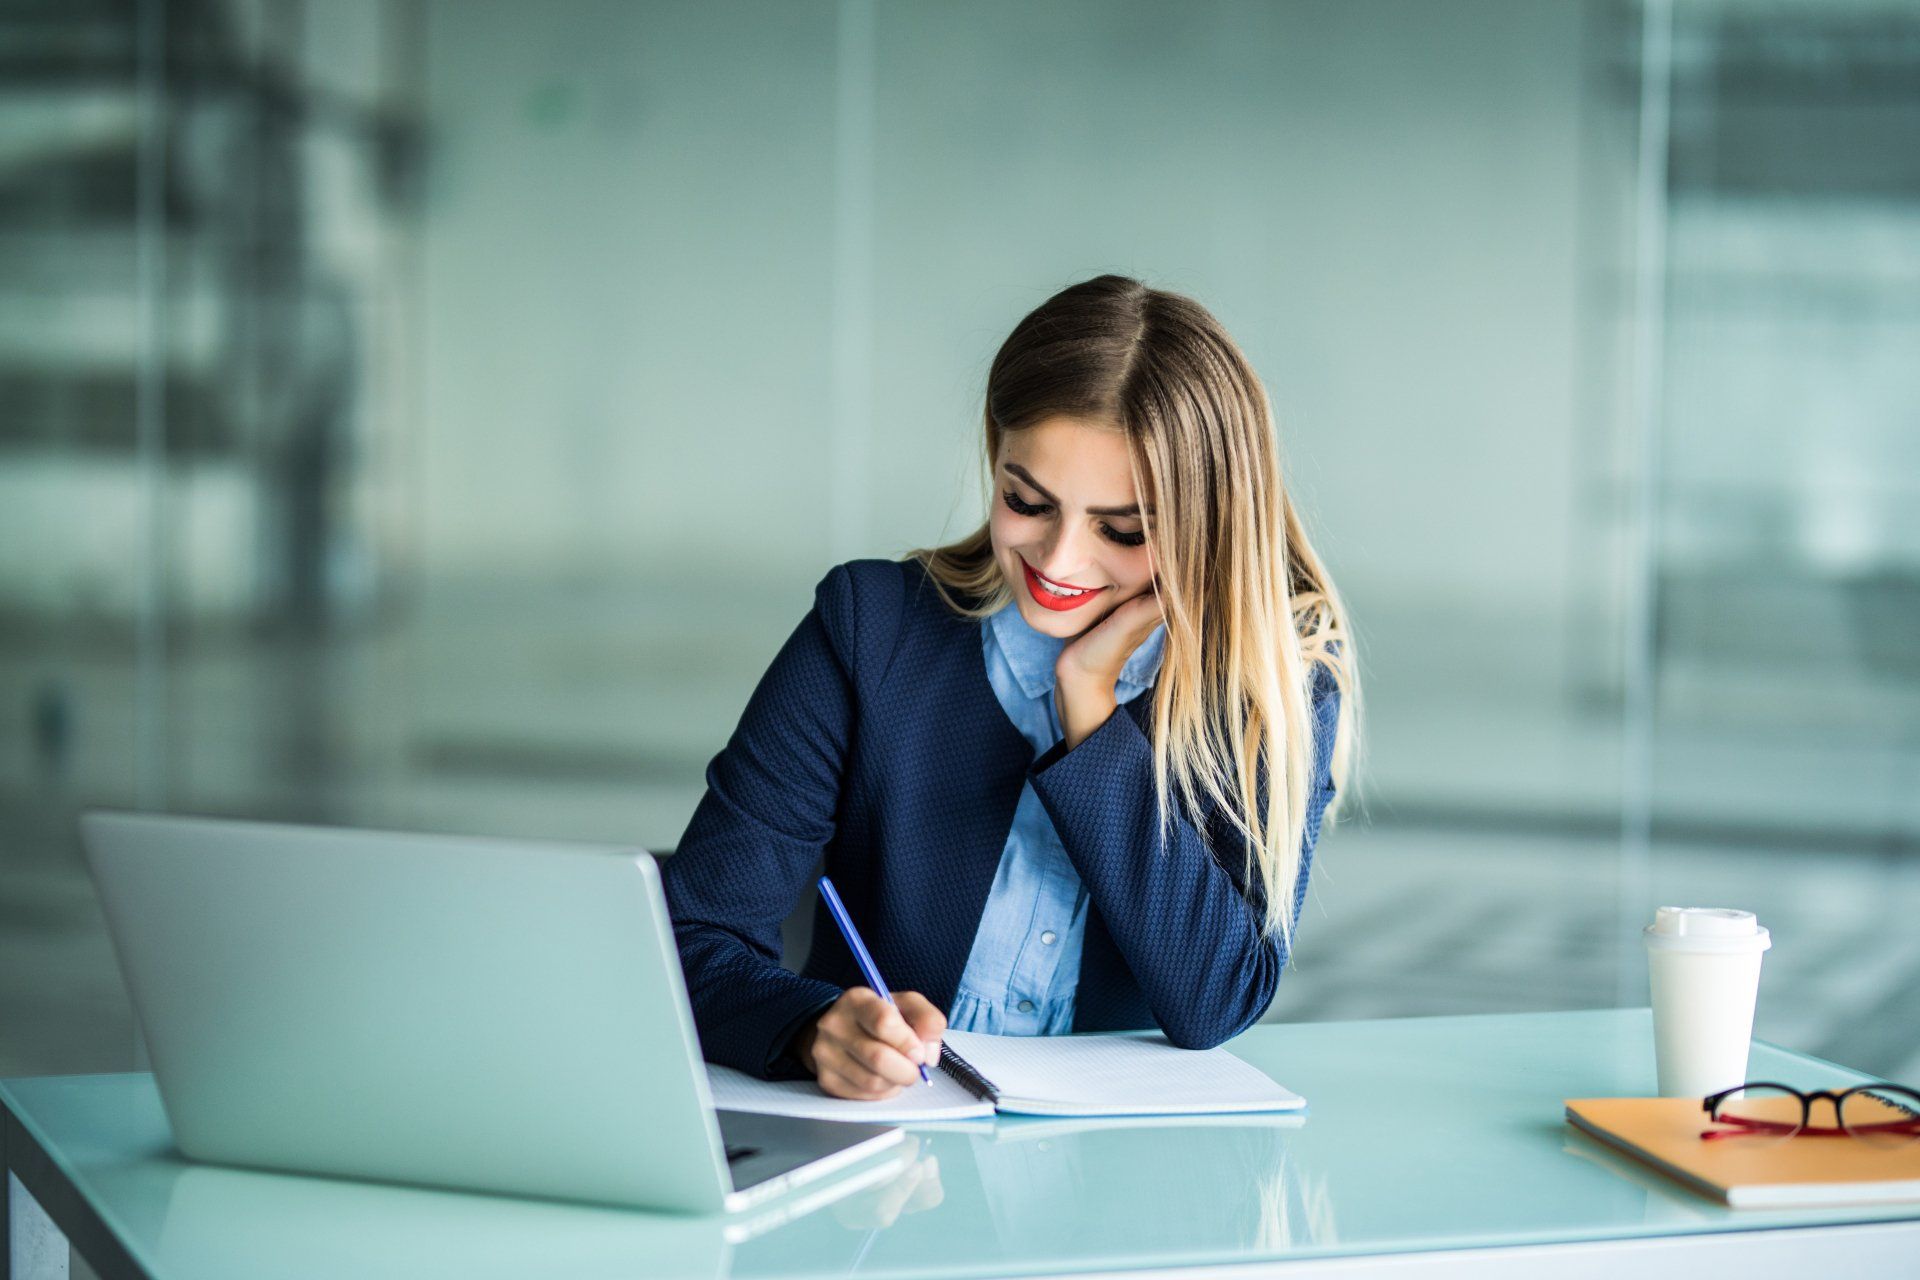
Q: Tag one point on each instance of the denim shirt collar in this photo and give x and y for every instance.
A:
(1032, 655)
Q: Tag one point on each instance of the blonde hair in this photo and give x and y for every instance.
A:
(1250, 611)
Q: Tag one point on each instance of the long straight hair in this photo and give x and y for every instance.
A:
(1250, 611)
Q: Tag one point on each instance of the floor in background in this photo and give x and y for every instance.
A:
(1404, 922)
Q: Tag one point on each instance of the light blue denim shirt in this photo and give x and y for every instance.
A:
(1025, 963)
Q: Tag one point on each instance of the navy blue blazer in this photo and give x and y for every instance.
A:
(875, 741)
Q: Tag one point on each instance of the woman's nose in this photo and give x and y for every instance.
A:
(1067, 559)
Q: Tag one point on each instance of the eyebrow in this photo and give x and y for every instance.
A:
(1026, 475)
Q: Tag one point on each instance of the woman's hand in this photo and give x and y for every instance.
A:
(863, 1047)
(1090, 665)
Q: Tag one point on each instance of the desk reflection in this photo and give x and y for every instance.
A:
(1095, 1192)
(232, 1222)
(973, 1197)
(216, 1221)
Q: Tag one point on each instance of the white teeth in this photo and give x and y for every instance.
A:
(1053, 590)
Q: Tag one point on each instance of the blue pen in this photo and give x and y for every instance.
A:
(859, 949)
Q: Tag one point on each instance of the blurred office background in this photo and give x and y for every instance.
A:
(434, 414)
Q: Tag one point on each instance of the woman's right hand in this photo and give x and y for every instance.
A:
(863, 1047)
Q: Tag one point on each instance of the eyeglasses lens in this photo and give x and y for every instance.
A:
(1763, 1111)
(1885, 1117)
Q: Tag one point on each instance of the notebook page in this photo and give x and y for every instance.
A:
(944, 1099)
(1104, 1075)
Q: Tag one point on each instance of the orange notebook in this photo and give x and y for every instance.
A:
(1754, 1171)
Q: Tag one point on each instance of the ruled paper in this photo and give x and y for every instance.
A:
(1104, 1075)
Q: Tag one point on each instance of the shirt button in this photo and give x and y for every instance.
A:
(1048, 937)
(1026, 1006)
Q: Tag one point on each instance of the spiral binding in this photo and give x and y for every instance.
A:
(975, 1083)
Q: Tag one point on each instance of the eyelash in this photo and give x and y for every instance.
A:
(1020, 508)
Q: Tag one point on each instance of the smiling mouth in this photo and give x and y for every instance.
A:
(1053, 595)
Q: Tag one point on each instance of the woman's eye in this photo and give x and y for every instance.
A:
(1020, 508)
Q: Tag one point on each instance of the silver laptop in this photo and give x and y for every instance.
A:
(497, 1015)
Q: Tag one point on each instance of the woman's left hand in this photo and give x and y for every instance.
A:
(1090, 665)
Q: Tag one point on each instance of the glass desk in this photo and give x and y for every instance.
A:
(1431, 1144)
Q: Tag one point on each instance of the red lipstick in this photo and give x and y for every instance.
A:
(1047, 600)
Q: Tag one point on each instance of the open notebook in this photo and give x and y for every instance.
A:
(1133, 1074)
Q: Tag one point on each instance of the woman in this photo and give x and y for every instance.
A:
(1028, 843)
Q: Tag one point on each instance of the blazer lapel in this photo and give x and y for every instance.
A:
(981, 792)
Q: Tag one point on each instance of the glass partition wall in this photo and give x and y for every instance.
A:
(1786, 573)
(434, 416)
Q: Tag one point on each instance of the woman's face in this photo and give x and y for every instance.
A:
(1065, 509)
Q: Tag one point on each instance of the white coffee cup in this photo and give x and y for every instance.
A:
(1704, 966)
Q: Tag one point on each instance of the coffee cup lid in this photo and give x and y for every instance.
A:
(1722, 929)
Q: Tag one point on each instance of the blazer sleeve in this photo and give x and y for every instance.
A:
(1180, 916)
(770, 808)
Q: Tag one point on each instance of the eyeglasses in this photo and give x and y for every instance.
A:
(1882, 1113)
